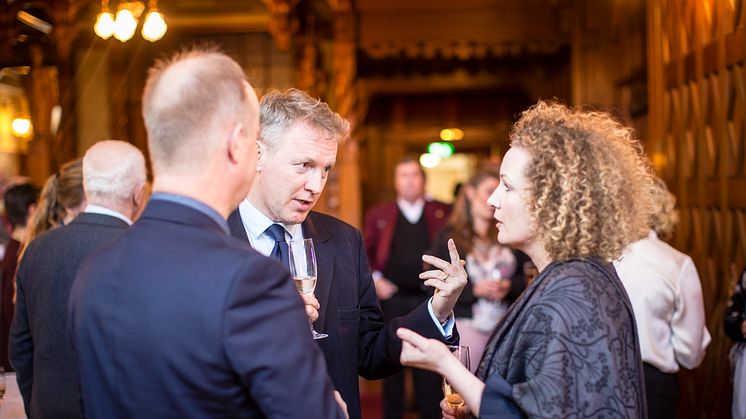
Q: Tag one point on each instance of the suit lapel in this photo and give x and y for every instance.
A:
(325, 254)
(236, 226)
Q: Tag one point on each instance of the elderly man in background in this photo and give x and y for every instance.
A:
(176, 318)
(40, 349)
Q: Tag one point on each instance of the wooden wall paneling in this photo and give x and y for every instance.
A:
(696, 105)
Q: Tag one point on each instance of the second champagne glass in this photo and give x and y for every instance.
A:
(302, 258)
(453, 399)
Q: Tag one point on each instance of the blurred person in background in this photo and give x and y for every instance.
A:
(40, 349)
(734, 324)
(397, 234)
(496, 277)
(61, 199)
(20, 205)
(666, 296)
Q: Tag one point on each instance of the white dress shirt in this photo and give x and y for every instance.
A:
(256, 223)
(412, 210)
(98, 209)
(666, 295)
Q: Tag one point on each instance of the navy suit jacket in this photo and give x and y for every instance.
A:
(178, 319)
(359, 341)
(40, 347)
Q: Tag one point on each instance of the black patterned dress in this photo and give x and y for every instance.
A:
(567, 348)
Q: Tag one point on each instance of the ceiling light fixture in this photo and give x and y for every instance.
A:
(124, 25)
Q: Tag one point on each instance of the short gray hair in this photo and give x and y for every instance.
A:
(278, 111)
(187, 99)
(112, 171)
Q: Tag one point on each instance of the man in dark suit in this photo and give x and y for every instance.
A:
(40, 348)
(297, 150)
(397, 233)
(177, 318)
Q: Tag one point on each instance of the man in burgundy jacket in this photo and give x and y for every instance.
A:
(397, 234)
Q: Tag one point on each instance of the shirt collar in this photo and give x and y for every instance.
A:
(411, 206)
(256, 222)
(193, 204)
(98, 209)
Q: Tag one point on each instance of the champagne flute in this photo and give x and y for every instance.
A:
(302, 259)
(453, 399)
(2, 383)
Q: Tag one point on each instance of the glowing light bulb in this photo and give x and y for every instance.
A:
(429, 160)
(104, 26)
(154, 27)
(124, 25)
(21, 127)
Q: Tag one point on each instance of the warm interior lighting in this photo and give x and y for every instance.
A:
(154, 27)
(21, 127)
(451, 134)
(125, 25)
(104, 26)
(430, 160)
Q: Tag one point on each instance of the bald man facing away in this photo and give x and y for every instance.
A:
(176, 318)
(40, 349)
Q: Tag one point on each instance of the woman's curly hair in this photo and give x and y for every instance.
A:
(589, 182)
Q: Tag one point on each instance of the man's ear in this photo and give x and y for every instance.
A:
(261, 151)
(139, 194)
(235, 143)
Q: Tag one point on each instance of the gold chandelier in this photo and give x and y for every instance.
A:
(124, 24)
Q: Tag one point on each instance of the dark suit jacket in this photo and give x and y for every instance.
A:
(381, 222)
(359, 341)
(178, 319)
(40, 348)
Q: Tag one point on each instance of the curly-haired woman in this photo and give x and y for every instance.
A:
(574, 191)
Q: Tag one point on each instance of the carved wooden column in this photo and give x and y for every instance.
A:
(311, 76)
(43, 94)
(346, 100)
(282, 26)
(697, 105)
(64, 34)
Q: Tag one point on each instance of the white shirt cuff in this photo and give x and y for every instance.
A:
(445, 329)
(377, 275)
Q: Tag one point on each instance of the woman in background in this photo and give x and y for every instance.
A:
(495, 272)
(20, 204)
(666, 295)
(574, 191)
(62, 198)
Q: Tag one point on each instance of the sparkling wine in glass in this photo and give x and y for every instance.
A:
(2, 383)
(302, 258)
(453, 399)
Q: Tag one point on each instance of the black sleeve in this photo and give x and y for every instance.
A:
(21, 347)
(734, 312)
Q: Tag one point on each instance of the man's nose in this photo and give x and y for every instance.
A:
(315, 183)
